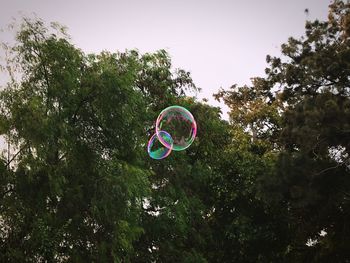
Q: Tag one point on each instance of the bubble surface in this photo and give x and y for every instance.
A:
(178, 122)
(156, 149)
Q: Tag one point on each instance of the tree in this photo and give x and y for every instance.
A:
(270, 185)
(250, 225)
(176, 215)
(305, 95)
(74, 190)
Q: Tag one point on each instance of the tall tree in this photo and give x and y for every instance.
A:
(74, 189)
(309, 85)
(175, 216)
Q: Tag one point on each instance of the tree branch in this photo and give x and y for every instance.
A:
(7, 191)
(14, 156)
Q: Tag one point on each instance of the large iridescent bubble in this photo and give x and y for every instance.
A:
(155, 149)
(180, 124)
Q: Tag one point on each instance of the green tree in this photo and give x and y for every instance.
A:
(270, 185)
(175, 218)
(315, 135)
(74, 189)
(250, 223)
(300, 111)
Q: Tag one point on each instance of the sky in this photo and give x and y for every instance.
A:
(222, 42)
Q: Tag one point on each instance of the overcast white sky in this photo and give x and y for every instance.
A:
(220, 42)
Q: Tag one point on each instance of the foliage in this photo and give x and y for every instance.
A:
(75, 186)
(270, 185)
(300, 111)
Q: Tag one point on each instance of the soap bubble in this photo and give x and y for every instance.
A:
(180, 124)
(155, 149)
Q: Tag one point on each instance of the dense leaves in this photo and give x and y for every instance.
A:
(270, 185)
(299, 113)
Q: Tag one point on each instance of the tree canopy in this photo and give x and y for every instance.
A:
(272, 184)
